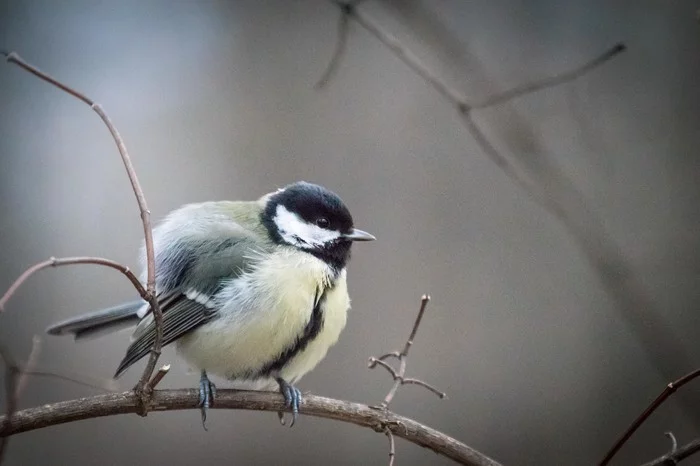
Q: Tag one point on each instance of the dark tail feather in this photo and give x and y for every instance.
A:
(100, 322)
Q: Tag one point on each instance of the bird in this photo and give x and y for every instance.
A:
(251, 291)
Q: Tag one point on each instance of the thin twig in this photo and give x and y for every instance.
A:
(11, 374)
(408, 57)
(340, 47)
(392, 446)
(54, 262)
(165, 400)
(677, 455)
(158, 377)
(15, 383)
(667, 392)
(13, 57)
(551, 81)
(103, 385)
(32, 362)
(674, 442)
(398, 375)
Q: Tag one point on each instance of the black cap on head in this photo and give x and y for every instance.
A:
(318, 207)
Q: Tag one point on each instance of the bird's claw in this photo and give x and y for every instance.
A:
(292, 399)
(207, 393)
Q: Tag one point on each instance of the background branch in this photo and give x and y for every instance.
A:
(167, 400)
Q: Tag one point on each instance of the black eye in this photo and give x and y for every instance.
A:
(322, 222)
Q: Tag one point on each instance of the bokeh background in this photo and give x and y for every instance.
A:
(542, 362)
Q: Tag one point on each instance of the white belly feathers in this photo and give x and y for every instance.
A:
(264, 312)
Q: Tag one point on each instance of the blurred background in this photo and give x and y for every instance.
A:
(542, 352)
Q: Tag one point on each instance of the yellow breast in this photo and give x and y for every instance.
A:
(264, 312)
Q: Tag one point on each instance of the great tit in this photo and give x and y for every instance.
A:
(254, 292)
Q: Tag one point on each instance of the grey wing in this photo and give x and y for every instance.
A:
(198, 271)
(180, 315)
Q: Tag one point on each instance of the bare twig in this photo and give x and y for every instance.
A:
(13, 57)
(11, 374)
(340, 47)
(108, 385)
(392, 446)
(677, 455)
(54, 262)
(674, 442)
(551, 81)
(165, 400)
(158, 377)
(14, 384)
(32, 362)
(667, 392)
(398, 375)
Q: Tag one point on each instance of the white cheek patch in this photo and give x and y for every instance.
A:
(296, 231)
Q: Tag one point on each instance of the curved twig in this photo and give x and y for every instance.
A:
(669, 390)
(150, 296)
(167, 400)
(53, 262)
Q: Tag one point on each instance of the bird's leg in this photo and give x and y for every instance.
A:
(207, 393)
(292, 399)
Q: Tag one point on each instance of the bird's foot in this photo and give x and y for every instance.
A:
(207, 393)
(292, 399)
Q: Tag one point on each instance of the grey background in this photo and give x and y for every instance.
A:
(215, 101)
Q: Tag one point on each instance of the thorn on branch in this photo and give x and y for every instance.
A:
(402, 356)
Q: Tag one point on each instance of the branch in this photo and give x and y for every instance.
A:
(53, 262)
(552, 81)
(150, 296)
(15, 381)
(676, 455)
(168, 400)
(663, 396)
(398, 375)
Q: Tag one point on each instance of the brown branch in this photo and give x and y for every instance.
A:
(54, 262)
(663, 396)
(13, 57)
(398, 375)
(166, 400)
(676, 455)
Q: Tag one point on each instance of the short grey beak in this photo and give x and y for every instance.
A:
(359, 235)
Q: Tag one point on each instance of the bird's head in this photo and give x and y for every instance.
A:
(312, 218)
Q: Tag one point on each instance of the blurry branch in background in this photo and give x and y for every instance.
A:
(150, 293)
(663, 396)
(549, 187)
(402, 356)
(15, 377)
(362, 415)
(340, 44)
